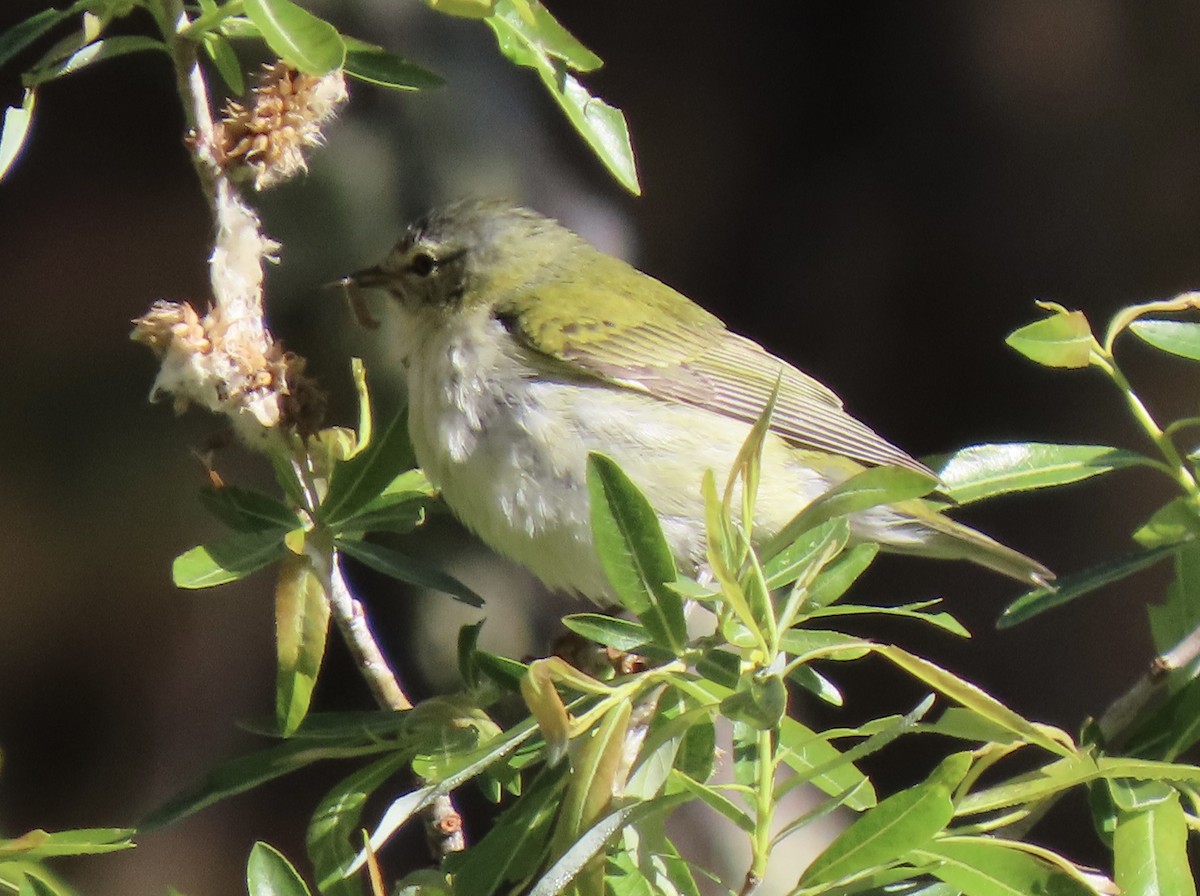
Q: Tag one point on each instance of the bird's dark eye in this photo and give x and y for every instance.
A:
(422, 264)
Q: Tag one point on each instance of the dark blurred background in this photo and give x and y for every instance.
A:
(876, 192)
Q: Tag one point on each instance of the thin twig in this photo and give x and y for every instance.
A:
(1148, 691)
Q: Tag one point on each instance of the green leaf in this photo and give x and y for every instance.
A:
(975, 699)
(836, 579)
(38, 844)
(944, 621)
(467, 9)
(1176, 337)
(823, 765)
(816, 684)
(715, 800)
(364, 477)
(1062, 340)
(301, 627)
(816, 547)
(378, 66)
(299, 38)
(268, 873)
(984, 471)
(407, 569)
(601, 125)
(984, 867)
(542, 30)
(247, 510)
(1067, 588)
(17, 121)
(1150, 852)
(516, 844)
(332, 837)
(905, 821)
(862, 491)
(20, 36)
(1175, 618)
(760, 702)
(634, 553)
(610, 631)
(226, 61)
(1172, 524)
(96, 51)
(226, 560)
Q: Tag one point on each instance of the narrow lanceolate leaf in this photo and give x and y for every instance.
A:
(268, 873)
(20, 36)
(1061, 340)
(908, 820)
(983, 471)
(301, 39)
(226, 61)
(405, 568)
(821, 764)
(301, 626)
(247, 510)
(1176, 337)
(551, 51)
(332, 837)
(634, 553)
(17, 120)
(1068, 588)
(226, 560)
(381, 67)
(544, 701)
(97, 51)
(870, 488)
(39, 844)
(364, 477)
(981, 867)
(977, 700)
(1150, 852)
(609, 631)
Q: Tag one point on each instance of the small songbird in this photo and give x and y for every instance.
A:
(526, 348)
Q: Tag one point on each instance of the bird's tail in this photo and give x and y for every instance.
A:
(941, 537)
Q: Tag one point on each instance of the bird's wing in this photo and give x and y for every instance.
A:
(629, 329)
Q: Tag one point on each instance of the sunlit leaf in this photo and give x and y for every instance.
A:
(981, 867)
(610, 631)
(870, 488)
(226, 560)
(268, 873)
(17, 121)
(1174, 523)
(1150, 851)
(226, 62)
(301, 39)
(984, 471)
(907, 820)
(1176, 337)
(634, 553)
(1062, 340)
(39, 844)
(301, 626)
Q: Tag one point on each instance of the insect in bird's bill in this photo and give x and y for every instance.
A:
(526, 348)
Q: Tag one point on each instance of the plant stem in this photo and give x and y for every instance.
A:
(764, 810)
(1179, 471)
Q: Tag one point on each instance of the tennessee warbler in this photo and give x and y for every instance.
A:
(526, 348)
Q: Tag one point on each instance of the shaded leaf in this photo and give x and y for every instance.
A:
(1067, 588)
(984, 471)
(381, 67)
(610, 631)
(247, 510)
(407, 569)
(96, 51)
(22, 35)
(365, 476)
(300, 39)
(226, 62)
